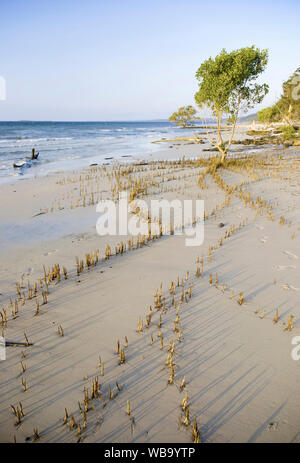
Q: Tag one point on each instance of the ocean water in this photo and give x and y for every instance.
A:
(71, 145)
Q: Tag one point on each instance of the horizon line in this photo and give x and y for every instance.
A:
(54, 120)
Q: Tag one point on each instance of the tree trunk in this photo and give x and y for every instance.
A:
(232, 132)
(223, 156)
(220, 143)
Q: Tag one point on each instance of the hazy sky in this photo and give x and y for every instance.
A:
(129, 59)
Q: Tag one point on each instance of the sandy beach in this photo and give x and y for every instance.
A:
(136, 345)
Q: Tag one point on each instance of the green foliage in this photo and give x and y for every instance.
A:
(270, 114)
(226, 83)
(184, 117)
(288, 132)
(288, 106)
(290, 98)
(231, 120)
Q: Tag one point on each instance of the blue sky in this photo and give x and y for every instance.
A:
(128, 59)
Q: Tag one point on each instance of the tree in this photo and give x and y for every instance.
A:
(226, 85)
(287, 108)
(270, 114)
(184, 117)
(289, 102)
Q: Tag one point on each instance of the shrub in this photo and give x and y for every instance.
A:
(288, 132)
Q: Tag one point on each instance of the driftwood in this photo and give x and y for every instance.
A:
(19, 164)
(33, 155)
(16, 344)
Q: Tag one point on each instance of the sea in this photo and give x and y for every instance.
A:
(66, 146)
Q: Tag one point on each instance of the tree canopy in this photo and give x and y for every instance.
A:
(184, 116)
(290, 99)
(269, 114)
(287, 108)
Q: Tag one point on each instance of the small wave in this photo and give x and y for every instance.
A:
(60, 138)
(33, 140)
(107, 138)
